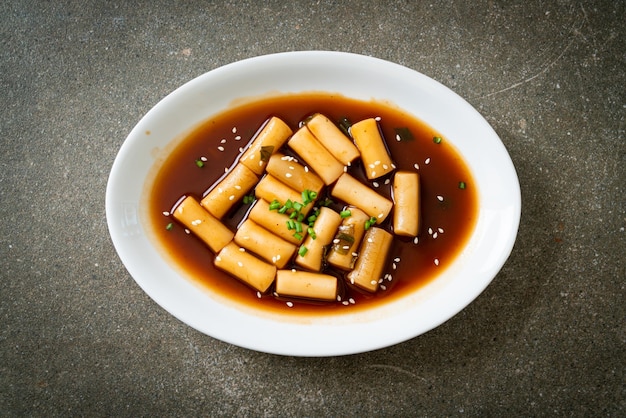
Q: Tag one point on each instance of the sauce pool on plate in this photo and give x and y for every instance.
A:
(448, 198)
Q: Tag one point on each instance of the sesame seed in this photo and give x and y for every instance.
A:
(345, 302)
(373, 282)
(440, 198)
(234, 130)
(380, 215)
(239, 263)
(372, 166)
(187, 231)
(237, 138)
(377, 118)
(383, 287)
(221, 148)
(218, 258)
(285, 158)
(376, 184)
(277, 257)
(394, 266)
(240, 149)
(393, 165)
(397, 259)
(166, 213)
(275, 294)
(387, 181)
(290, 304)
(260, 162)
(292, 167)
(223, 141)
(242, 250)
(385, 167)
(373, 174)
(203, 158)
(338, 298)
(430, 231)
(370, 240)
(274, 260)
(306, 169)
(238, 187)
(258, 295)
(377, 162)
(380, 280)
(398, 138)
(351, 280)
(427, 161)
(345, 168)
(225, 169)
(416, 240)
(440, 230)
(417, 166)
(346, 247)
(288, 175)
(355, 254)
(336, 241)
(435, 235)
(349, 164)
(351, 301)
(293, 270)
(231, 197)
(436, 261)
(196, 222)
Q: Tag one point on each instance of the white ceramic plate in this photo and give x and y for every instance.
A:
(353, 76)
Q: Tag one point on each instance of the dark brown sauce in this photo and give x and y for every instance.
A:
(444, 205)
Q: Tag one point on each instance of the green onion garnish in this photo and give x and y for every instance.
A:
(462, 185)
(437, 140)
(169, 226)
(275, 205)
(345, 213)
(302, 251)
(200, 163)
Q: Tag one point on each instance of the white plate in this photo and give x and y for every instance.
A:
(353, 76)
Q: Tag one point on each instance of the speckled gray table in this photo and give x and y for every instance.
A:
(78, 336)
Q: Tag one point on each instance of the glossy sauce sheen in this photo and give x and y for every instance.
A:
(443, 203)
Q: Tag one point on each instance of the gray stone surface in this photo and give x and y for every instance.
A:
(79, 337)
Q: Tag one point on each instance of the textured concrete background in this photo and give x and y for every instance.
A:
(79, 337)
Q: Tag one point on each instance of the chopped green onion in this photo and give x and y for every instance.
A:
(345, 213)
(371, 221)
(462, 185)
(404, 134)
(297, 206)
(437, 140)
(327, 202)
(274, 205)
(169, 226)
(266, 152)
(293, 215)
(297, 236)
(311, 232)
(200, 163)
(300, 217)
(291, 225)
(311, 219)
(302, 251)
(247, 199)
(308, 196)
(298, 227)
